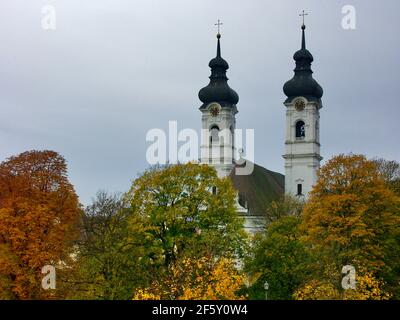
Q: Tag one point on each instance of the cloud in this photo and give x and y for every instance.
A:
(112, 70)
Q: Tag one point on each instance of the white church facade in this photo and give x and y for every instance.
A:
(302, 139)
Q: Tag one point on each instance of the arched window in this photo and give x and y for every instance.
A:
(214, 134)
(300, 130)
(299, 189)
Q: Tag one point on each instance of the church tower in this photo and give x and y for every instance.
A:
(218, 117)
(302, 158)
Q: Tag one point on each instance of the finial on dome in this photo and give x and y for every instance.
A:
(218, 24)
(303, 27)
(218, 46)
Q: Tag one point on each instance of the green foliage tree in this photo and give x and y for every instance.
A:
(279, 258)
(187, 211)
(112, 258)
(285, 206)
(169, 215)
(390, 172)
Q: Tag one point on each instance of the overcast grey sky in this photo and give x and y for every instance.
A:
(113, 69)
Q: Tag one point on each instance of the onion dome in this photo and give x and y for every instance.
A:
(218, 89)
(303, 84)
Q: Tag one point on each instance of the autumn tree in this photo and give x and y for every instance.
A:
(196, 279)
(113, 259)
(286, 205)
(368, 287)
(279, 258)
(39, 213)
(390, 172)
(187, 211)
(172, 216)
(352, 218)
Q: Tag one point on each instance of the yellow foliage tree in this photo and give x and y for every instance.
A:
(368, 287)
(317, 290)
(196, 279)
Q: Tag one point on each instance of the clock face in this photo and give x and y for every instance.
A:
(299, 105)
(214, 109)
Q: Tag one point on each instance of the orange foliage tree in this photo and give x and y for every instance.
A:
(39, 211)
(352, 217)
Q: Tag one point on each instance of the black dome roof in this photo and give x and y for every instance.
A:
(218, 89)
(303, 54)
(218, 62)
(218, 92)
(303, 83)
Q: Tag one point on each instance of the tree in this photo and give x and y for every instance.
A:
(182, 214)
(169, 217)
(39, 215)
(390, 172)
(352, 218)
(317, 290)
(196, 279)
(278, 258)
(112, 259)
(367, 288)
(285, 206)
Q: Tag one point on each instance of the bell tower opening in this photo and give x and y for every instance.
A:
(300, 130)
(214, 135)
